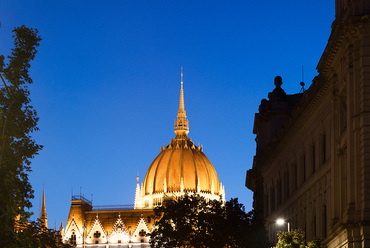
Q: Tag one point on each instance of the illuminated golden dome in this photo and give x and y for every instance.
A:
(181, 167)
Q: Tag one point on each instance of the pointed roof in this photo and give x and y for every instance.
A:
(97, 226)
(141, 225)
(119, 232)
(119, 227)
(70, 228)
(181, 124)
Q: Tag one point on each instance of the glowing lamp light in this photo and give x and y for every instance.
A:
(281, 222)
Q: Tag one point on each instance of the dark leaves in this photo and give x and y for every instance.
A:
(18, 120)
(32, 234)
(26, 40)
(193, 221)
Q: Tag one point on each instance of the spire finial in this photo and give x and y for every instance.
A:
(182, 74)
(182, 104)
(181, 124)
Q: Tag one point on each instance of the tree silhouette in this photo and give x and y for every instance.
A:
(18, 120)
(193, 221)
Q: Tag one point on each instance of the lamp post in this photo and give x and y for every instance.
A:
(281, 222)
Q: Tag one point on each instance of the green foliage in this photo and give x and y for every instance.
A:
(18, 120)
(295, 239)
(188, 222)
(192, 221)
(34, 235)
(315, 243)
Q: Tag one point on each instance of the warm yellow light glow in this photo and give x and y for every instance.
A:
(280, 222)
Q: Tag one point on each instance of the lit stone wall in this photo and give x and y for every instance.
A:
(107, 228)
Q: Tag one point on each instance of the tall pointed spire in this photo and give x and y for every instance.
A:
(181, 124)
(43, 215)
(182, 104)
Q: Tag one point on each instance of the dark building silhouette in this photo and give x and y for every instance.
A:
(312, 162)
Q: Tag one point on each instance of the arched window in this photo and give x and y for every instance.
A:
(72, 240)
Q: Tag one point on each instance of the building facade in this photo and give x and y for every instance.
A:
(312, 162)
(180, 168)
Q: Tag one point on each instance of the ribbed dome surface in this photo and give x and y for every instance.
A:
(181, 166)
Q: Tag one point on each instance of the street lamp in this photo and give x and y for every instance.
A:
(281, 222)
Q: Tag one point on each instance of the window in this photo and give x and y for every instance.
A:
(313, 158)
(286, 184)
(142, 233)
(314, 226)
(324, 220)
(295, 176)
(97, 234)
(72, 240)
(272, 199)
(266, 204)
(279, 197)
(304, 168)
(343, 111)
(323, 148)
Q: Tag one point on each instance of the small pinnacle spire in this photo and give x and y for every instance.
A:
(181, 124)
(43, 214)
(61, 228)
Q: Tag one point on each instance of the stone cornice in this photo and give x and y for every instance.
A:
(342, 31)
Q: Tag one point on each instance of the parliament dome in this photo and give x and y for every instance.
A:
(181, 167)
